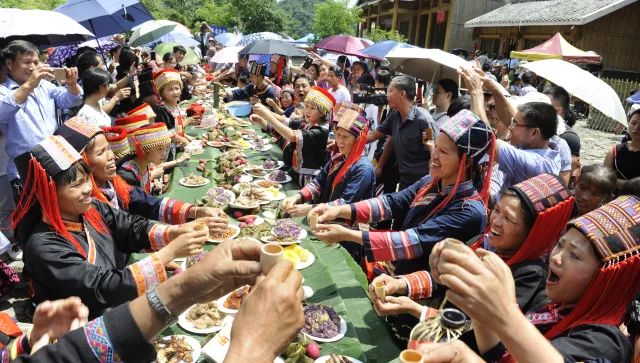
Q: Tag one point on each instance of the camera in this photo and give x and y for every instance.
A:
(369, 96)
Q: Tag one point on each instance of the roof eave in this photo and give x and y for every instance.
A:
(546, 23)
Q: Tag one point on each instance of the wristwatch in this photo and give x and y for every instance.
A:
(160, 309)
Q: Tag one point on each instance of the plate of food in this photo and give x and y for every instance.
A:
(272, 164)
(288, 229)
(244, 203)
(263, 147)
(278, 176)
(201, 319)
(232, 232)
(274, 194)
(336, 358)
(177, 349)
(193, 181)
(300, 257)
(267, 184)
(239, 144)
(230, 303)
(215, 143)
(255, 170)
(323, 324)
(219, 197)
(255, 194)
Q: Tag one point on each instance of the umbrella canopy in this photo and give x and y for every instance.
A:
(582, 85)
(190, 58)
(60, 54)
(226, 55)
(151, 30)
(227, 39)
(635, 98)
(271, 46)
(381, 49)
(557, 48)
(345, 44)
(430, 65)
(250, 38)
(41, 27)
(106, 17)
(177, 36)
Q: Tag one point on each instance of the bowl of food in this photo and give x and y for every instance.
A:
(239, 108)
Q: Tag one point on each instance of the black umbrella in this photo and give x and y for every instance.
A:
(271, 46)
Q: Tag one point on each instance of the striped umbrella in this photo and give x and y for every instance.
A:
(250, 38)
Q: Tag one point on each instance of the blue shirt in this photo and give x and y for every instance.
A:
(26, 124)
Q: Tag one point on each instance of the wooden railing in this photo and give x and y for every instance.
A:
(598, 121)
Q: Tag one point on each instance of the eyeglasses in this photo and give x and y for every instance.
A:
(514, 124)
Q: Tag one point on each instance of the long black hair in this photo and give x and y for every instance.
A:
(93, 79)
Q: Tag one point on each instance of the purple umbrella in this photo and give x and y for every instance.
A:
(345, 44)
(60, 54)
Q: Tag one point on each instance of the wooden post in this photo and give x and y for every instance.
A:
(417, 32)
(394, 19)
(369, 18)
(429, 26)
(448, 31)
(378, 14)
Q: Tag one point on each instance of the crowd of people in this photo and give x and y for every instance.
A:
(393, 168)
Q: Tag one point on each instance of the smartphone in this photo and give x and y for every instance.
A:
(307, 63)
(153, 55)
(59, 74)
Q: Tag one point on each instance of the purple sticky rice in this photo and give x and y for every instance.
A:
(321, 321)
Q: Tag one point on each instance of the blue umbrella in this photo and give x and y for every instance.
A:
(62, 53)
(635, 98)
(227, 39)
(381, 49)
(106, 17)
(250, 38)
(176, 36)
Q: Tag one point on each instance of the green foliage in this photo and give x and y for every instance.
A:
(220, 14)
(31, 4)
(378, 35)
(335, 17)
(301, 14)
(260, 16)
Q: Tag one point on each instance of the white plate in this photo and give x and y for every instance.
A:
(254, 167)
(221, 307)
(308, 292)
(234, 235)
(275, 185)
(265, 147)
(183, 182)
(277, 197)
(280, 165)
(302, 265)
(188, 326)
(242, 207)
(245, 178)
(271, 239)
(326, 359)
(287, 178)
(195, 346)
(303, 234)
(232, 196)
(343, 331)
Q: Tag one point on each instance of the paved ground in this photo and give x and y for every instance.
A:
(595, 144)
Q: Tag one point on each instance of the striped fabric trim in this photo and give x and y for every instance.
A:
(80, 125)
(148, 273)
(392, 245)
(99, 341)
(166, 208)
(173, 211)
(372, 210)
(297, 153)
(159, 236)
(62, 153)
(337, 202)
(543, 191)
(310, 192)
(613, 228)
(419, 285)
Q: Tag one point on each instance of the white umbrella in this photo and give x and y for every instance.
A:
(226, 55)
(582, 85)
(151, 30)
(41, 27)
(430, 65)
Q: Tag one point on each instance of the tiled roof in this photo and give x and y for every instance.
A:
(548, 12)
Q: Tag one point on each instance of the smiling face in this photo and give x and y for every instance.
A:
(21, 68)
(445, 159)
(74, 198)
(311, 113)
(508, 227)
(179, 56)
(285, 100)
(101, 160)
(572, 266)
(344, 140)
(171, 93)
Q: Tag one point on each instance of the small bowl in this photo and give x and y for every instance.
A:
(240, 108)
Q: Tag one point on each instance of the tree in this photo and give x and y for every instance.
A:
(220, 14)
(301, 14)
(335, 17)
(260, 16)
(378, 35)
(31, 4)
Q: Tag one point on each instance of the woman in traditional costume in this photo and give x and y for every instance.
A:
(108, 187)
(75, 246)
(306, 144)
(594, 274)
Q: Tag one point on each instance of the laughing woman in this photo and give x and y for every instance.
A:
(594, 274)
(75, 246)
(444, 204)
(108, 187)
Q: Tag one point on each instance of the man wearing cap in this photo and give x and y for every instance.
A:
(258, 86)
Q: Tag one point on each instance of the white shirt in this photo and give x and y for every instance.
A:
(4, 158)
(341, 95)
(97, 117)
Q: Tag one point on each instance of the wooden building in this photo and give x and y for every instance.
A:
(611, 28)
(426, 23)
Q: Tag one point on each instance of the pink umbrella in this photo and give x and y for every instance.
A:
(345, 44)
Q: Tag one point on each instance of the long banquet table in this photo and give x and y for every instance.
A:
(335, 278)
